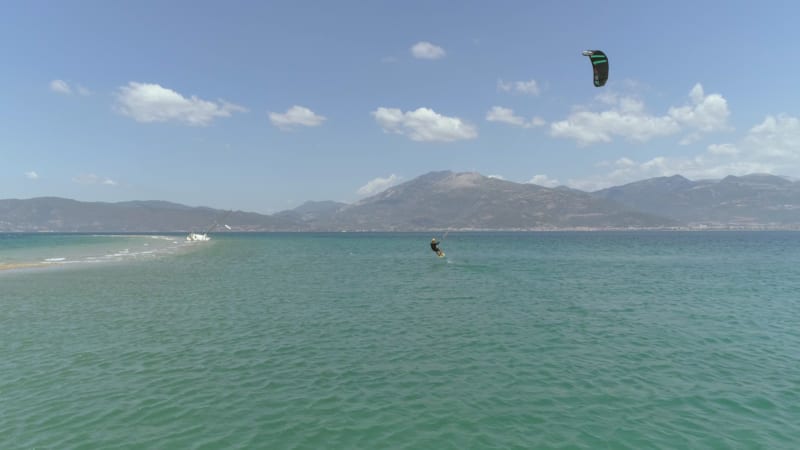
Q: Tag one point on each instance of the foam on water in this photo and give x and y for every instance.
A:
(40, 251)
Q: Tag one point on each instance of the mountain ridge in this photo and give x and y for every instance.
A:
(754, 200)
(454, 201)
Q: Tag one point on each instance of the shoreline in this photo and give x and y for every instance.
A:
(24, 265)
(58, 250)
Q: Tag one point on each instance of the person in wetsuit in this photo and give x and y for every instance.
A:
(435, 246)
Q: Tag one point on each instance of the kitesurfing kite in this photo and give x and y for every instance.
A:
(599, 66)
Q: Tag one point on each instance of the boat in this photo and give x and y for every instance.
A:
(201, 237)
(198, 237)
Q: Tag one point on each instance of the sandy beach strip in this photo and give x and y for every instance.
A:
(25, 265)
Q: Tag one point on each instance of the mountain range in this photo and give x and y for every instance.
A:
(456, 201)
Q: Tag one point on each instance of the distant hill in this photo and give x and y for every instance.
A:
(470, 201)
(750, 201)
(448, 200)
(312, 212)
(59, 214)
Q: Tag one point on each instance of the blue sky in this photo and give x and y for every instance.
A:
(260, 106)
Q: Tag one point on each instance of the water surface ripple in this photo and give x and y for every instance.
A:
(306, 341)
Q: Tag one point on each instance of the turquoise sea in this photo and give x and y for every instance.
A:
(629, 340)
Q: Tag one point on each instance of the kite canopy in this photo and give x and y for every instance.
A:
(599, 66)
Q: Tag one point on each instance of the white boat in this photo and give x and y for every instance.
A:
(198, 237)
(201, 237)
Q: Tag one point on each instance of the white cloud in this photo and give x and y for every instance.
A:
(496, 177)
(378, 185)
(506, 115)
(145, 102)
(624, 162)
(627, 118)
(538, 122)
(544, 180)
(426, 50)
(776, 137)
(61, 87)
(296, 116)
(90, 178)
(424, 125)
(530, 87)
(32, 175)
(705, 113)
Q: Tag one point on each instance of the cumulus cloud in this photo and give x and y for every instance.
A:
(296, 116)
(530, 87)
(378, 185)
(506, 115)
(627, 118)
(776, 137)
(145, 102)
(544, 180)
(704, 113)
(496, 177)
(90, 178)
(426, 50)
(424, 125)
(32, 175)
(60, 87)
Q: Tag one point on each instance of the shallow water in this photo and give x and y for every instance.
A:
(535, 340)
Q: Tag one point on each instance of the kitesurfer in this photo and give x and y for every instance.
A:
(435, 247)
